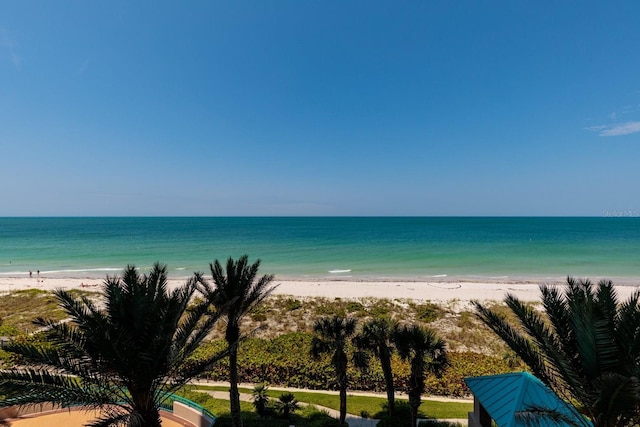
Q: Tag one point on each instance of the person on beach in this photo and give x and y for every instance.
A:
(30, 274)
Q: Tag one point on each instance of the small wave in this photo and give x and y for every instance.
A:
(439, 275)
(181, 268)
(80, 270)
(339, 271)
(14, 273)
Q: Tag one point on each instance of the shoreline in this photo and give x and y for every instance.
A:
(438, 290)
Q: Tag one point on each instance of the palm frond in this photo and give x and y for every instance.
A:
(526, 349)
(537, 416)
(117, 356)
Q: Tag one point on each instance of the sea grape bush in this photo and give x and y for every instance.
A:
(284, 360)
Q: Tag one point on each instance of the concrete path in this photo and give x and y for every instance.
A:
(353, 420)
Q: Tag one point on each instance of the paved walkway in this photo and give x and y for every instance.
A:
(353, 420)
(350, 392)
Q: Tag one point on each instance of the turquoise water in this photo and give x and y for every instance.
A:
(319, 247)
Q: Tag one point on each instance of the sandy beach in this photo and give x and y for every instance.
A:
(435, 291)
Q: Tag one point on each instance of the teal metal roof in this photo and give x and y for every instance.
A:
(504, 395)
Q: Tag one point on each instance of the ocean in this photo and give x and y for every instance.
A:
(406, 248)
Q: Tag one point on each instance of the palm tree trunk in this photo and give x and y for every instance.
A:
(151, 417)
(385, 362)
(414, 417)
(234, 395)
(342, 384)
(343, 402)
(143, 403)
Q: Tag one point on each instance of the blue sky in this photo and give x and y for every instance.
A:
(319, 108)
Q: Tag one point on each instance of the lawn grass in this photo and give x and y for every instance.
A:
(359, 404)
(304, 417)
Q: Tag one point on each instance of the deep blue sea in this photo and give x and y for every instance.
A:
(326, 247)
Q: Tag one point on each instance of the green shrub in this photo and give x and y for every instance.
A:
(291, 304)
(400, 418)
(258, 317)
(331, 308)
(285, 361)
(380, 308)
(8, 331)
(428, 312)
(466, 320)
(353, 306)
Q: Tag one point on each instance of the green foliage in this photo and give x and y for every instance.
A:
(583, 345)
(426, 353)
(401, 416)
(18, 310)
(236, 291)
(258, 317)
(368, 404)
(260, 398)
(308, 416)
(117, 358)
(354, 306)
(380, 308)
(328, 308)
(8, 330)
(291, 304)
(461, 365)
(466, 320)
(331, 337)
(428, 312)
(287, 405)
(285, 361)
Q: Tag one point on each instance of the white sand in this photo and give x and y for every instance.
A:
(436, 291)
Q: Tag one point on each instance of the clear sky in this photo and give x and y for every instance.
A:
(306, 107)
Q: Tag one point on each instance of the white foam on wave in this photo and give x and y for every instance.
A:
(14, 273)
(81, 270)
(439, 275)
(181, 268)
(339, 271)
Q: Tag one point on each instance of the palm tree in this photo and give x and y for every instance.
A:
(260, 398)
(123, 358)
(236, 292)
(375, 337)
(331, 336)
(585, 346)
(287, 405)
(425, 352)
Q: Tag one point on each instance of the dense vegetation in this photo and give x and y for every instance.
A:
(280, 353)
(284, 360)
(583, 343)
